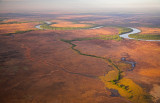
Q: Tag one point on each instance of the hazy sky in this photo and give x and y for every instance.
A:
(79, 5)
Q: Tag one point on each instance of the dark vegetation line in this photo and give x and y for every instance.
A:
(44, 25)
(47, 26)
(18, 22)
(17, 32)
(109, 61)
(145, 36)
(103, 37)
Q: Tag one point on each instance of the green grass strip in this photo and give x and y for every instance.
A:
(17, 32)
(145, 36)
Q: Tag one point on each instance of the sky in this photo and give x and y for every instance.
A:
(79, 5)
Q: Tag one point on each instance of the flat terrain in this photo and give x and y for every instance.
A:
(61, 23)
(12, 28)
(78, 66)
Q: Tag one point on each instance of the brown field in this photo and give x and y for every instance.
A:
(149, 51)
(12, 28)
(14, 20)
(145, 54)
(150, 72)
(20, 19)
(103, 31)
(147, 30)
(37, 74)
(61, 23)
(95, 32)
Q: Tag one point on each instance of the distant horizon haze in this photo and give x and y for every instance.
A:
(80, 5)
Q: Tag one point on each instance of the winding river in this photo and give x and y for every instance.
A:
(134, 31)
(47, 22)
(39, 26)
(125, 35)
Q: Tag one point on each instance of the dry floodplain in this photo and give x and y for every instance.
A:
(77, 66)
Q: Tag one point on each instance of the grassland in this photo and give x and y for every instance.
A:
(123, 30)
(147, 33)
(46, 26)
(35, 60)
(114, 79)
(18, 32)
(17, 22)
(145, 36)
(109, 61)
(64, 23)
(14, 28)
(126, 88)
(149, 30)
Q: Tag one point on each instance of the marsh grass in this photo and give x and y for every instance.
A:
(18, 22)
(123, 30)
(47, 26)
(145, 36)
(110, 37)
(17, 32)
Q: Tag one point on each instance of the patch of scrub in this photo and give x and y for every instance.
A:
(128, 89)
(123, 30)
(111, 75)
(145, 36)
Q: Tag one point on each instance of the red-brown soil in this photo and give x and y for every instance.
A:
(63, 23)
(37, 67)
(147, 30)
(145, 54)
(12, 28)
(33, 71)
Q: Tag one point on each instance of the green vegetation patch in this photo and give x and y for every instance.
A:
(17, 32)
(110, 37)
(145, 36)
(127, 88)
(46, 26)
(123, 30)
(18, 22)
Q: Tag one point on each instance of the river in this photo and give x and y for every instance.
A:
(39, 26)
(126, 35)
